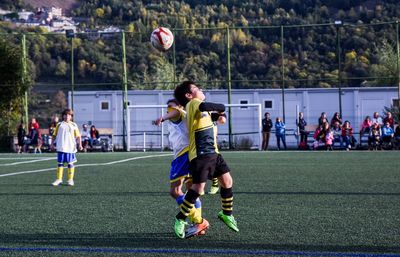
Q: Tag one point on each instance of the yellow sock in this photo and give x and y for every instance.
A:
(60, 171)
(71, 172)
(195, 215)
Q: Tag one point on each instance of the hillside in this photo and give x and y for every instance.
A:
(255, 54)
(66, 5)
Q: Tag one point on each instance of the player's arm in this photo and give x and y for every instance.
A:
(78, 139)
(209, 107)
(172, 114)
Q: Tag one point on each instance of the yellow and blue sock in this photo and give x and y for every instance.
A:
(187, 204)
(60, 171)
(71, 171)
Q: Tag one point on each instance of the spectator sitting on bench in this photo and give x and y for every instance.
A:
(377, 119)
(329, 139)
(389, 118)
(365, 127)
(337, 134)
(387, 135)
(317, 137)
(374, 138)
(94, 136)
(34, 137)
(85, 137)
(347, 135)
(323, 137)
(322, 119)
(336, 118)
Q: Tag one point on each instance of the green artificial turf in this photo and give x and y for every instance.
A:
(312, 203)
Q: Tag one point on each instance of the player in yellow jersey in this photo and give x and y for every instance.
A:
(179, 139)
(66, 137)
(205, 160)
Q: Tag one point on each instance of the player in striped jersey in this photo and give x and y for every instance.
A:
(205, 159)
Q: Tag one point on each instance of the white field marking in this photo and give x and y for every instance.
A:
(32, 161)
(22, 158)
(86, 165)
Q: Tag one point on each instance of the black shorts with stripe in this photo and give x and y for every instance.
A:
(207, 166)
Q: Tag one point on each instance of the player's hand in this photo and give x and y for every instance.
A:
(158, 121)
(221, 120)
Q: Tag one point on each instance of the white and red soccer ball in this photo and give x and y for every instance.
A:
(162, 39)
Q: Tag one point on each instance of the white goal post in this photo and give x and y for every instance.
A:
(141, 133)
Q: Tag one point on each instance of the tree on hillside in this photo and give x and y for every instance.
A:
(13, 85)
(386, 70)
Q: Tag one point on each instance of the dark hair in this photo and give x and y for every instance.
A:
(67, 111)
(181, 91)
(172, 101)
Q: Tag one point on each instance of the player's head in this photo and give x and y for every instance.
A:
(67, 115)
(172, 103)
(187, 91)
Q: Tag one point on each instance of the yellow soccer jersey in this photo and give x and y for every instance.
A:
(65, 137)
(202, 131)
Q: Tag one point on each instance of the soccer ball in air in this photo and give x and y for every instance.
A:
(162, 39)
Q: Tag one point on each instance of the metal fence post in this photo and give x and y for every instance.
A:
(72, 73)
(338, 25)
(124, 92)
(229, 78)
(398, 63)
(283, 76)
(24, 72)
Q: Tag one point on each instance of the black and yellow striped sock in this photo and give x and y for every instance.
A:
(214, 182)
(187, 204)
(227, 200)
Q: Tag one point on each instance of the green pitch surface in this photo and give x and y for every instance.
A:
(286, 204)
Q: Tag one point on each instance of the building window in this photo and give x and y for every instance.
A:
(105, 106)
(243, 102)
(267, 104)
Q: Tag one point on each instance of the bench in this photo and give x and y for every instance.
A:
(104, 143)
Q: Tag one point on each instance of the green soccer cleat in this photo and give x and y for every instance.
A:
(213, 190)
(180, 228)
(229, 220)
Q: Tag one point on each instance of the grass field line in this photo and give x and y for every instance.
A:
(22, 158)
(200, 251)
(31, 161)
(86, 165)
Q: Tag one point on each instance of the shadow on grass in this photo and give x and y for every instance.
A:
(320, 193)
(74, 193)
(161, 241)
